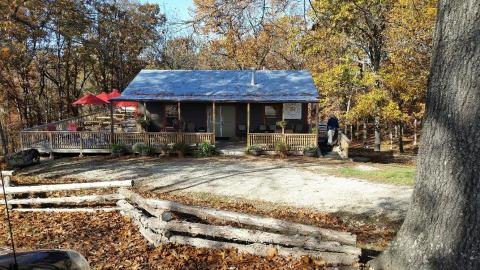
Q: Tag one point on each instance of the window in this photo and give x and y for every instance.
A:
(171, 115)
(271, 116)
(270, 112)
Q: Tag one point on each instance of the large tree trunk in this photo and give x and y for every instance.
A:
(442, 227)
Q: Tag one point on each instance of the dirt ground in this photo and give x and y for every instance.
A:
(302, 183)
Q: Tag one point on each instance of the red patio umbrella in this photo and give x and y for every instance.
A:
(89, 99)
(116, 93)
(103, 96)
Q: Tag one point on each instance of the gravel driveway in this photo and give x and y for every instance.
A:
(293, 183)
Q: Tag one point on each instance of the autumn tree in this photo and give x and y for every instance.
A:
(54, 51)
(442, 227)
(250, 33)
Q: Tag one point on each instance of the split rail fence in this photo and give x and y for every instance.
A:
(162, 221)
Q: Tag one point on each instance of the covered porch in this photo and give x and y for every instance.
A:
(260, 124)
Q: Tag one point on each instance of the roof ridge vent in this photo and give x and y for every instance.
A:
(253, 82)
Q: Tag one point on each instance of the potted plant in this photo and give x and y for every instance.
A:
(282, 124)
(144, 123)
(205, 149)
(180, 148)
(255, 150)
(118, 149)
(282, 149)
(310, 151)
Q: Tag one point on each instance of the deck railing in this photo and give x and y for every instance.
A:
(63, 124)
(89, 141)
(294, 141)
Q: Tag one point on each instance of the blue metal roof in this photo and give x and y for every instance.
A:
(222, 85)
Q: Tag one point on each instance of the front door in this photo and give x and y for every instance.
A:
(224, 120)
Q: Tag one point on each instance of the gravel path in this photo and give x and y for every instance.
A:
(291, 183)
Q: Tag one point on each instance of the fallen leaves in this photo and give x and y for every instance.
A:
(110, 241)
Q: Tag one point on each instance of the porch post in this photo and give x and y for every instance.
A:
(317, 105)
(111, 124)
(248, 124)
(309, 115)
(283, 119)
(180, 126)
(144, 111)
(213, 118)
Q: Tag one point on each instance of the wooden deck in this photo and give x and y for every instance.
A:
(100, 142)
(294, 141)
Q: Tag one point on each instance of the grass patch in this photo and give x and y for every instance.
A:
(396, 175)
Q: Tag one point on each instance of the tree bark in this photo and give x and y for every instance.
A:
(3, 139)
(377, 135)
(157, 234)
(257, 221)
(64, 200)
(364, 134)
(415, 131)
(442, 227)
(63, 187)
(400, 140)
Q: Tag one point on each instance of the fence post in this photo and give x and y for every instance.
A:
(81, 144)
(248, 126)
(50, 137)
(6, 181)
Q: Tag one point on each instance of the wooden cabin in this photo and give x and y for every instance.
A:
(257, 107)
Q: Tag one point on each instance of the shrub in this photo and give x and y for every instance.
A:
(254, 150)
(138, 147)
(119, 148)
(281, 147)
(310, 148)
(148, 151)
(205, 149)
(180, 147)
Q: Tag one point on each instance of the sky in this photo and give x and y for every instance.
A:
(173, 8)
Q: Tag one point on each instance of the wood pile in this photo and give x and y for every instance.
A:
(162, 221)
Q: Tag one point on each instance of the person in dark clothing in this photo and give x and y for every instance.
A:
(332, 123)
(332, 129)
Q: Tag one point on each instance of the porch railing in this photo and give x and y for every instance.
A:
(79, 141)
(295, 142)
(63, 124)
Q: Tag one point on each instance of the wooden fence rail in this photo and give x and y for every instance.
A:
(295, 142)
(91, 141)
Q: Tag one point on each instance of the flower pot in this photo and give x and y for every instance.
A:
(255, 152)
(180, 154)
(310, 153)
